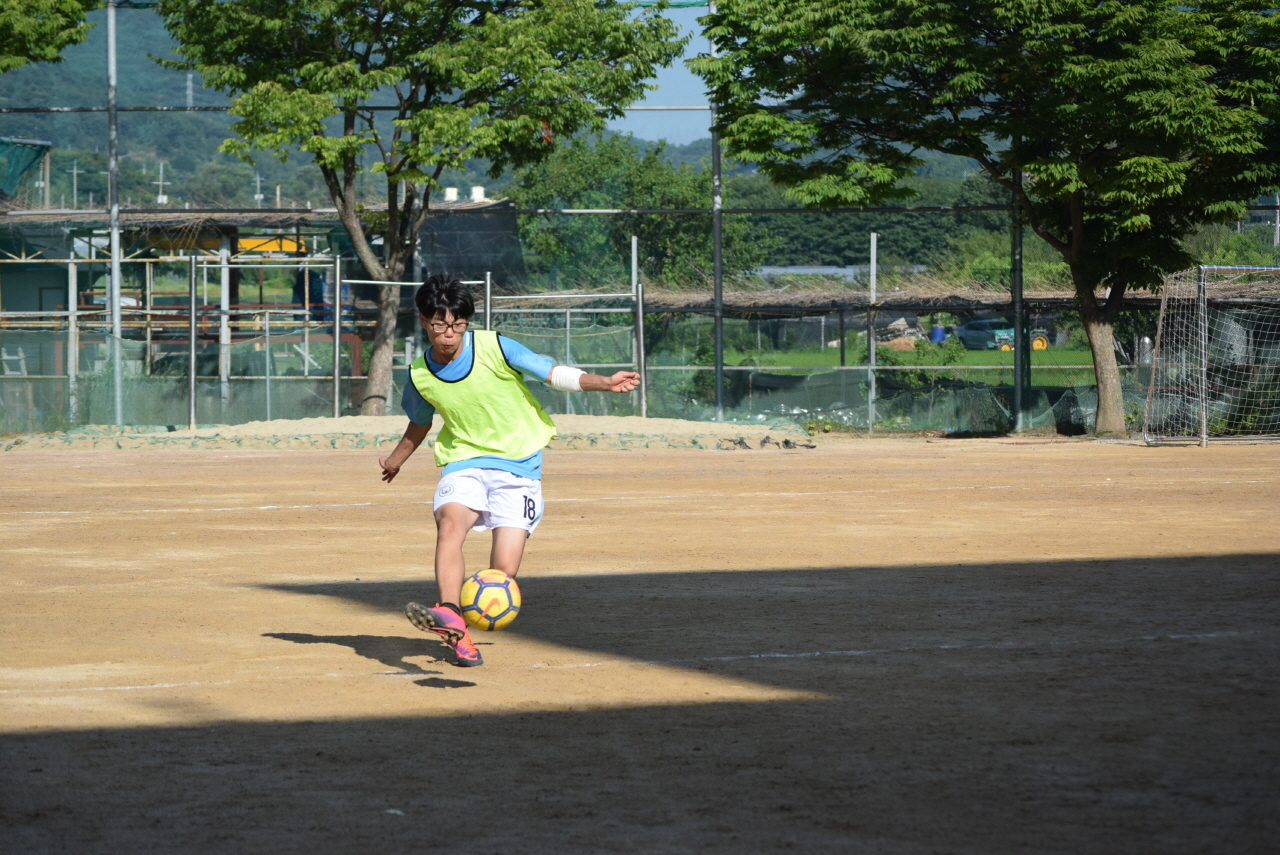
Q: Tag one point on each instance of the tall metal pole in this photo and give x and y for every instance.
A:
(306, 313)
(717, 250)
(488, 300)
(1203, 336)
(73, 338)
(1020, 366)
(871, 338)
(113, 191)
(642, 355)
(266, 326)
(113, 170)
(637, 289)
(717, 299)
(337, 335)
(875, 240)
(148, 287)
(224, 324)
(417, 325)
(191, 343)
(568, 356)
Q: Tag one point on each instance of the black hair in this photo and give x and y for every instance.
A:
(441, 293)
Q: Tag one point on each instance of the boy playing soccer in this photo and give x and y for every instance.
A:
(490, 446)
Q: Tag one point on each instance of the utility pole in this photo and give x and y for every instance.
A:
(76, 172)
(257, 192)
(191, 95)
(161, 198)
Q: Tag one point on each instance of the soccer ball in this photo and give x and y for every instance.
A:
(490, 599)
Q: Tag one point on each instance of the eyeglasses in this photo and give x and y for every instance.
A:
(456, 326)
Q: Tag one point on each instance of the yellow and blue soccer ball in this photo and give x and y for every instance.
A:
(490, 599)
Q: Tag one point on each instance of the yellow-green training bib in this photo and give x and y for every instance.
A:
(488, 413)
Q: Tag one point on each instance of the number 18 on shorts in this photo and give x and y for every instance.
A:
(503, 499)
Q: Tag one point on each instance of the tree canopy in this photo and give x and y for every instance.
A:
(38, 30)
(1118, 126)
(495, 79)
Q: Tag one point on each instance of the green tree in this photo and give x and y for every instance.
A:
(1119, 126)
(612, 171)
(502, 79)
(38, 30)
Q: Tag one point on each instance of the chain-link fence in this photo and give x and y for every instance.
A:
(938, 371)
(56, 380)
(928, 376)
(795, 339)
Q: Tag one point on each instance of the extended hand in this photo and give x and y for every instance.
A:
(623, 381)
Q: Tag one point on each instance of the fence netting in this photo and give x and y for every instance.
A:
(148, 384)
(788, 369)
(926, 377)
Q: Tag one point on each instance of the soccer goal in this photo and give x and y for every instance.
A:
(1214, 372)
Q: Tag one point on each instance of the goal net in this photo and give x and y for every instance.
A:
(1214, 373)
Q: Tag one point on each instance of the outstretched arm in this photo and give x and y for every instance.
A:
(414, 434)
(563, 377)
(623, 381)
(575, 380)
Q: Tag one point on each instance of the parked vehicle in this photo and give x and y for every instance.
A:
(997, 334)
(993, 334)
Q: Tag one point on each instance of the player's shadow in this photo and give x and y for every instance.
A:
(443, 683)
(392, 651)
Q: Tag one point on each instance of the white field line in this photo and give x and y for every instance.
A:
(153, 686)
(745, 657)
(686, 496)
(112, 688)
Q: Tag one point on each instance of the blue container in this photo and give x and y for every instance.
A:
(938, 334)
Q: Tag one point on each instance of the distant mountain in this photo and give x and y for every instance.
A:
(80, 80)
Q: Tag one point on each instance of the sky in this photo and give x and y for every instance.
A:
(677, 86)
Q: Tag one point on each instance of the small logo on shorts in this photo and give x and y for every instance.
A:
(446, 489)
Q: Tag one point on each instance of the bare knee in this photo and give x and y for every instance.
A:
(452, 527)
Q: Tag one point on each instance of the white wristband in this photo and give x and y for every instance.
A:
(566, 379)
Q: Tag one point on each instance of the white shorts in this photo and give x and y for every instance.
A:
(504, 500)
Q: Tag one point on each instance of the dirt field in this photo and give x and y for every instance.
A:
(889, 646)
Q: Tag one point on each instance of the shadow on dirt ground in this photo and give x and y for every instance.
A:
(1099, 706)
(391, 650)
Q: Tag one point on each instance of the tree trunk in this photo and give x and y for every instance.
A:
(377, 387)
(1110, 396)
(398, 245)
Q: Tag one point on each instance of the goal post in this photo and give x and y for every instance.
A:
(1214, 373)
